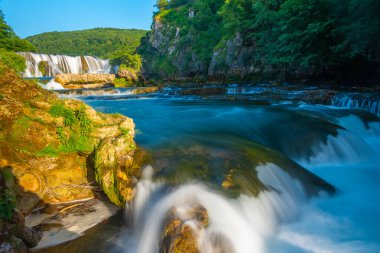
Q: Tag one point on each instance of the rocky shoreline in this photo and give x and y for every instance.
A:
(58, 151)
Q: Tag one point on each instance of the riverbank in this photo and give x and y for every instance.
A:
(64, 223)
(56, 151)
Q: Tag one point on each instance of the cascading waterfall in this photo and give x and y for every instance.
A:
(58, 64)
(242, 226)
(356, 101)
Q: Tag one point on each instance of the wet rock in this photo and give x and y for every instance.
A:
(231, 170)
(181, 229)
(50, 146)
(80, 81)
(13, 245)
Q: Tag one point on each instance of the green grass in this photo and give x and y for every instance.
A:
(124, 131)
(120, 83)
(74, 135)
(59, 110)
(49, 151)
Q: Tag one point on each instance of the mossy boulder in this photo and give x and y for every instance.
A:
(59, 149)
(43, 67)
(126, 76)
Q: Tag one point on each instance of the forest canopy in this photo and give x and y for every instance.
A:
(11, 43)
(98, 42)
(325, 34)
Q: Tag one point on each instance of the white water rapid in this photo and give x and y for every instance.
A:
(240, 225)
(340, 145)
(279, 220)
(355, 101)
(58, 64)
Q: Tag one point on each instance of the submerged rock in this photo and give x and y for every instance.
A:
(229, 168)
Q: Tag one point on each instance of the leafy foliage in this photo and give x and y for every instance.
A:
(74, 136)
(7, 194)
(284, 33)
(7, 204)
(10, 43)
(98, 42)
(129, 60)
(12, 60)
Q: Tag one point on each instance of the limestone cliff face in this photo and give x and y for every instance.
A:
(169, 53)
(56, 149)
(167, 56)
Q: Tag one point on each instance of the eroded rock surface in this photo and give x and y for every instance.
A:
(181, 229)
(57, 148)
(80, 81)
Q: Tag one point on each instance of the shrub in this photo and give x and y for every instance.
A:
(128, 59)
(12, 60)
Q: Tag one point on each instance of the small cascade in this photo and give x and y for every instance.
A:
(364, 102)
(39, 65)
(357, 143)
(53, 85)
(233, 90)
(242, 227)
(102, 93)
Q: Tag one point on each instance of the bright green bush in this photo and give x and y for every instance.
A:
(128, 60)
(12, 60)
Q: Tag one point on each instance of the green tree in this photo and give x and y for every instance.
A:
(162, 4)
(9, 40)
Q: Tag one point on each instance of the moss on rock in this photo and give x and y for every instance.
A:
(50, 144)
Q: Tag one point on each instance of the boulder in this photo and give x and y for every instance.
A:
(59, 150)
(181, 228)
(82, 81)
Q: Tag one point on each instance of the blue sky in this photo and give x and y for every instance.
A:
(30, 17)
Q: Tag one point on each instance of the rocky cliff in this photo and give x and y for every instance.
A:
(62, 150)
(169, 53)
(249, 41)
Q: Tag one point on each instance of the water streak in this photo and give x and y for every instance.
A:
(58, 64)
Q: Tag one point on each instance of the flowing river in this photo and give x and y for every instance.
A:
(282, 177)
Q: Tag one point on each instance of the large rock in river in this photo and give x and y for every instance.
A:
(80, 81)
(59, 149)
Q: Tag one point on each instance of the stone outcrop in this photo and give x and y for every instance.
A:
(169, 54)
(128, 74)
(58, 149)
(80, 81)
(232, 60)
(14, 235)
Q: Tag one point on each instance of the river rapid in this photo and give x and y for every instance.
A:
(273, 177)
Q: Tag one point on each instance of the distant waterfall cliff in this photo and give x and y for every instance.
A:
(39, 65)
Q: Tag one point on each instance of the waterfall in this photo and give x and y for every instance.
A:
(53, 65)
(364, 102)
(242, 227)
